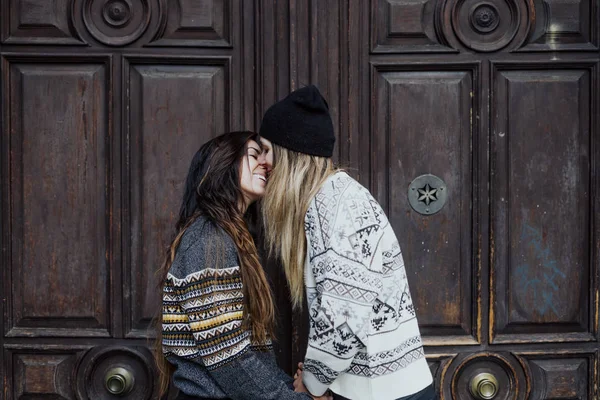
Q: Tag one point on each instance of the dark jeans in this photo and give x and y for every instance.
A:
(426, 394)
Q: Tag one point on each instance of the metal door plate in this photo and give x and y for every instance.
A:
(427, 194)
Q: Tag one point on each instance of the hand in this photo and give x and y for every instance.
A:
(299, 370)
(299, 385)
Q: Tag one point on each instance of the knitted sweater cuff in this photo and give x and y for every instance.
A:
(314, 386)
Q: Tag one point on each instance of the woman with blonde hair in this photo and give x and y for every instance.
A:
(337, 246)
(217, 312)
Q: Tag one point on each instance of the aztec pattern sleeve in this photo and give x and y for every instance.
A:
(344, 289)
(202, 321)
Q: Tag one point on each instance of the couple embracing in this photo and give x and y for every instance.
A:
(337, 248)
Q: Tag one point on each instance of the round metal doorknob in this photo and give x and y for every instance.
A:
(484, 386)
(119, 381)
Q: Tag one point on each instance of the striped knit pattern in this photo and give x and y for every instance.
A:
(202, 316)
(212, 355)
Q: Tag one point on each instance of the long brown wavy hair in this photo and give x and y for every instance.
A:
(212, 190)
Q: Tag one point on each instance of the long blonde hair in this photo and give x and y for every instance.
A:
(295, 180)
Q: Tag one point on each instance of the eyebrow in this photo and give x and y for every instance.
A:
(254, 148)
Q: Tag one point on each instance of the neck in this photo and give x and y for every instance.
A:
(243, 205)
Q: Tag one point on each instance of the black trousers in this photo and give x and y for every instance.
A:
(426, 394)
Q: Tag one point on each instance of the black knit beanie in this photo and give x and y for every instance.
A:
(300, 122)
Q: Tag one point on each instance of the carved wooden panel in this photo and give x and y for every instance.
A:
(512, 380)
(41, 374)
(404, 26)
(407, 143)
(198, 23)
(485, 26)
(564, 25)
(56, 136)
(99, 363)
(38, 22)
(172, 109)
(561, 376)
(115, 22)
(438, 365)
(542, 244)
(408, 26)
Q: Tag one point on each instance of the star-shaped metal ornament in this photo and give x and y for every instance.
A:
(427, 194)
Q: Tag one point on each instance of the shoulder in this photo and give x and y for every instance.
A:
(338, 189)
(204, 246)
(352, 203)
(336, 184)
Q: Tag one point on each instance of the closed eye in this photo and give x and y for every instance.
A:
(253, 152)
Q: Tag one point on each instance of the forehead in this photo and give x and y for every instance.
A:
(254, 145)
(265, 142)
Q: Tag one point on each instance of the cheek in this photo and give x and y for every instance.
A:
(245, 178)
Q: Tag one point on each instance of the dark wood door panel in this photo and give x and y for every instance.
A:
(422, 124)
(173, 109)
(543, 265)
(38, 22)
(561, 376)
(42, 372)
(197, 23)
(70, 372)
(563, 25)
(533, 375)
(56, 138)
(406, 27)
(99, 206)
(427, 26)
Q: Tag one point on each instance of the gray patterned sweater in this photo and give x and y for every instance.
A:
(203, 305)
(364, 340)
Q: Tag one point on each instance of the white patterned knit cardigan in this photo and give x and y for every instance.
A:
(364, 340)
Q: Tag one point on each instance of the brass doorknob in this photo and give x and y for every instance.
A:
(119, 381)
(484, 386)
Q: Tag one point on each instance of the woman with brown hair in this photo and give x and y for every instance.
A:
(338, 247)
(217, 313)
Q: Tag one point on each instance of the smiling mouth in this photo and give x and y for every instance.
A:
(261, 177)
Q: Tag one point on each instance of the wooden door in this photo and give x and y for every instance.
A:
(104, 104)
(105, 101)
(499, 100)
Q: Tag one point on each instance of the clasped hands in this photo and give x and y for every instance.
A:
(299, 385)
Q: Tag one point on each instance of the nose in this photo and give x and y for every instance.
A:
(266, 160)
(262, 160)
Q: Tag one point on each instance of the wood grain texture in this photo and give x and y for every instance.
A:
(173, 110)
(105, 101)
(437, 252)
(542, 207)
(32, 22)
(59, 225)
